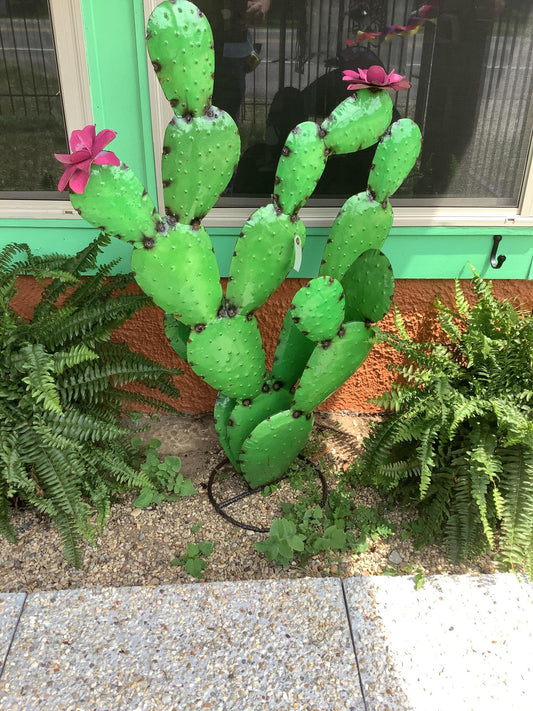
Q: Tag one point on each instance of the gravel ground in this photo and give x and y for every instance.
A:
(137, 545)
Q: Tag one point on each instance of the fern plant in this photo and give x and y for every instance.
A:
(459, 439)
(63, 447)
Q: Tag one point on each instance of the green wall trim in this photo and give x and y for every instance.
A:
(119, 82)
(415, 253)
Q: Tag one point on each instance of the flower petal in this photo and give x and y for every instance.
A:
(83, 138)
(350, 75)
(393, 77)
(65, 158)
(63, 181)
(80, 156)
(106, 158)
(102, 139)
(399, 85)
(354, 87)
(79, 181)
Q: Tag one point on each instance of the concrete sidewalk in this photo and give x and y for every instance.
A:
(457, 643)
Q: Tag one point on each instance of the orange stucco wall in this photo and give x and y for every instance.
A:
(414, 297)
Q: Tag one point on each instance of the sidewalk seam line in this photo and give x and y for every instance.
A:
(15, 629)
(353, 644)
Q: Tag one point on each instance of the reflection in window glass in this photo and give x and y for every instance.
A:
(32, 125)
(469, 61)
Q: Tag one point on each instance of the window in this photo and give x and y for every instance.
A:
(44, 95)
(470, 64)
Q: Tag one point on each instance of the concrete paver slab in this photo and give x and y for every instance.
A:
(11, 605)
(458, 643)
(250, 645)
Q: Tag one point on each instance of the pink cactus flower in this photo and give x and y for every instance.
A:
(375, 78)
(87, 148)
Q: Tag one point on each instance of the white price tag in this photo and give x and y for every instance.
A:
(297, 253)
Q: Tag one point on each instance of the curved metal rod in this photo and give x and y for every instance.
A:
(496, 263)
(220, 506)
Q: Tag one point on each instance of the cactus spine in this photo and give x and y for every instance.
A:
(263, 418)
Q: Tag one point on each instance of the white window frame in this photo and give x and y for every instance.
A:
(67, 24)
(323, 216)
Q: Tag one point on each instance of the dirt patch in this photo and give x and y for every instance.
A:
(137, 545)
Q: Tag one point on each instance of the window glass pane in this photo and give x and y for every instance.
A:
(32, 126)
(469, 61)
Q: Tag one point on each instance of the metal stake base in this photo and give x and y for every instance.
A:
(220, 506)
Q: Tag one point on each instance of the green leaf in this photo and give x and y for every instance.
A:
(206, 548)
(197, 527)
(173, 463)
(296, 542)
(145, 498)
(336, 537)
(195, 566)
(419, 579)
(389, 571)
(185, 488)
(193, 550)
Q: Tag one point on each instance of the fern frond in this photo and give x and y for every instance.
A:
(463, 307)
(517, 488)
(39, 365)
(80, 426)
(377, 446)
(463, 530)
(91, 286)
(484, 471)
(426, 455)
(70, 538)
(93, 323)
(8, 254)
(63, 450)
(7, 530)
(75, 355)
(399, 323)
(54, 471)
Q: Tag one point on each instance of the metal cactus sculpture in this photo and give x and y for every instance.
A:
(263, 418)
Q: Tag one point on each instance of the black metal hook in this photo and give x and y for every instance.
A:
(496, 263)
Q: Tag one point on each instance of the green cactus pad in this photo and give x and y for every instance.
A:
(223, 408)
(395, 157)
(292, 353)
(246, 416)
(300, 166)
(331, 364)
(228, 354)
(269, 450)
(177, 334)
(358, 122)
(199, 157)
(264, 255)
(361, 224)
(369, 287)
(180, 273)
(318, 308)
(116, 202)
(180, 44)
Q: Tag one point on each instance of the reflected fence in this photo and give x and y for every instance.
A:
(29, 83)
(470, 65)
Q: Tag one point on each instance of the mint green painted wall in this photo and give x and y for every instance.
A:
(415, 253)
(116, 55)
(114, 31)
